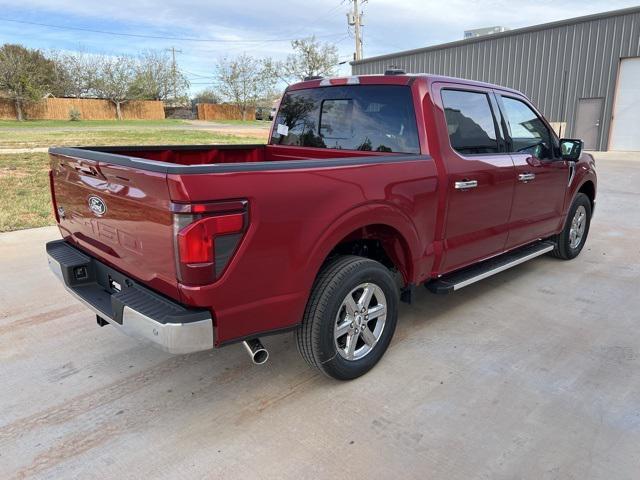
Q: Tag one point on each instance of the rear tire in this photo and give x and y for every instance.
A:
(570, 241)
(350, 317)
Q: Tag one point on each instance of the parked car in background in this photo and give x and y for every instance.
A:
(262, 113)
(368, 187)
(274, 109)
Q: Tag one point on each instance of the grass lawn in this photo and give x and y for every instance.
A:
(24, 181)
(157, 136)
(87, 123)
(24, 191)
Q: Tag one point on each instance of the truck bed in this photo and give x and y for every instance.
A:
(290, 195)
(182, 159)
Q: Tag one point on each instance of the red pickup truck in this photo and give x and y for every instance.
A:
(368, 187)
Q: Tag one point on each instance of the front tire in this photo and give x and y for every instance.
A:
(350, 317)
(570, 241)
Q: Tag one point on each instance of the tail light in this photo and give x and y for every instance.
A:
(206, 237)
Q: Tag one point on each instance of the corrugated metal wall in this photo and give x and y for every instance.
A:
(553, 66)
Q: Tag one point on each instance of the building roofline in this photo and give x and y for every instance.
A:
(508, 33)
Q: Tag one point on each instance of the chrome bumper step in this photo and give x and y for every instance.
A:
(130, 307)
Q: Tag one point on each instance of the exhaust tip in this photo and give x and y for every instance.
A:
(259, 355)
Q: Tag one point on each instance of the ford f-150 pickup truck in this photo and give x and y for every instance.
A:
(368, 187)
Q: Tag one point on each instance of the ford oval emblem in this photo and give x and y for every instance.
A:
(97, 205)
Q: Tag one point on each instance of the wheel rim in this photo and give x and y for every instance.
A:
(360, 321)
(578, 227)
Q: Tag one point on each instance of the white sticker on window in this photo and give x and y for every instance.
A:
(283, 129)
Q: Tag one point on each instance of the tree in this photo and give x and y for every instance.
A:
(25, 75)
(158, 79)
(208, 95)
(76, 73)
(244, 81)
(114, 80)
(310, 58)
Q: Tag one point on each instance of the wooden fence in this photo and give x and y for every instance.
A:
(222, 111)
(89, 108)
(7, 110)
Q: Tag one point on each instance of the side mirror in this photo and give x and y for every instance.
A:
(570, 149)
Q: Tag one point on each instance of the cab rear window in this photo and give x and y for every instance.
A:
(378, 118)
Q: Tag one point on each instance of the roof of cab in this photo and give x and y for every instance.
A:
(395, 79)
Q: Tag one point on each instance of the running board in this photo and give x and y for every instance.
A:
(461, 278)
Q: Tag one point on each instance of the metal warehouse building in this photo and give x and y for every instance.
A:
(582, 73)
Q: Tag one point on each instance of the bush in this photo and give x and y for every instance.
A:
(74, 114)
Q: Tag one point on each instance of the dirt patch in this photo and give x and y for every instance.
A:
(250, 132)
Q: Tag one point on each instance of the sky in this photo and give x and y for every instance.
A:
(206, 30)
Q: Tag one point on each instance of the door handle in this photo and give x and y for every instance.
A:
(526, 177)
(466, 184)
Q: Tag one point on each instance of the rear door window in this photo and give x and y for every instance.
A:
(470, 122)
(378, 118)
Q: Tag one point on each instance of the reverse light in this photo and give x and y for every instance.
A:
(205, 242)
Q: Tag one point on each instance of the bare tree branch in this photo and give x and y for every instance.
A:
(156, 79)
(76, 73)
(311, 58)
(115, 77)
(244, 81)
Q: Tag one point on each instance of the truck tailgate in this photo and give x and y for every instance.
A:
(119, 214)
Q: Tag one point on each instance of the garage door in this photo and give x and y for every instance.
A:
(625, 131)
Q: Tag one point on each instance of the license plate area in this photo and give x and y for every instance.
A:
(110, 279)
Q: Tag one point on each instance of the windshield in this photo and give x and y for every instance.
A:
(377, 118)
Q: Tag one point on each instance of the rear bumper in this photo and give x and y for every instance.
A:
(130, 307)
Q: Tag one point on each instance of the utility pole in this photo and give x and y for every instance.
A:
(173, 51)
(354, 19)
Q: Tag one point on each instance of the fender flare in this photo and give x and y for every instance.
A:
(373, 213)
(583, 173)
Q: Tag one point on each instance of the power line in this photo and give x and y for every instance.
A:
(157, 37)
(200, 79)
(231, 50)
(196, 75)
(316, 20)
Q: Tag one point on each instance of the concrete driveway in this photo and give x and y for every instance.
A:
(531, 374)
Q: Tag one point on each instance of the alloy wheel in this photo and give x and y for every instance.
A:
(578, 227)
(360, 321)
